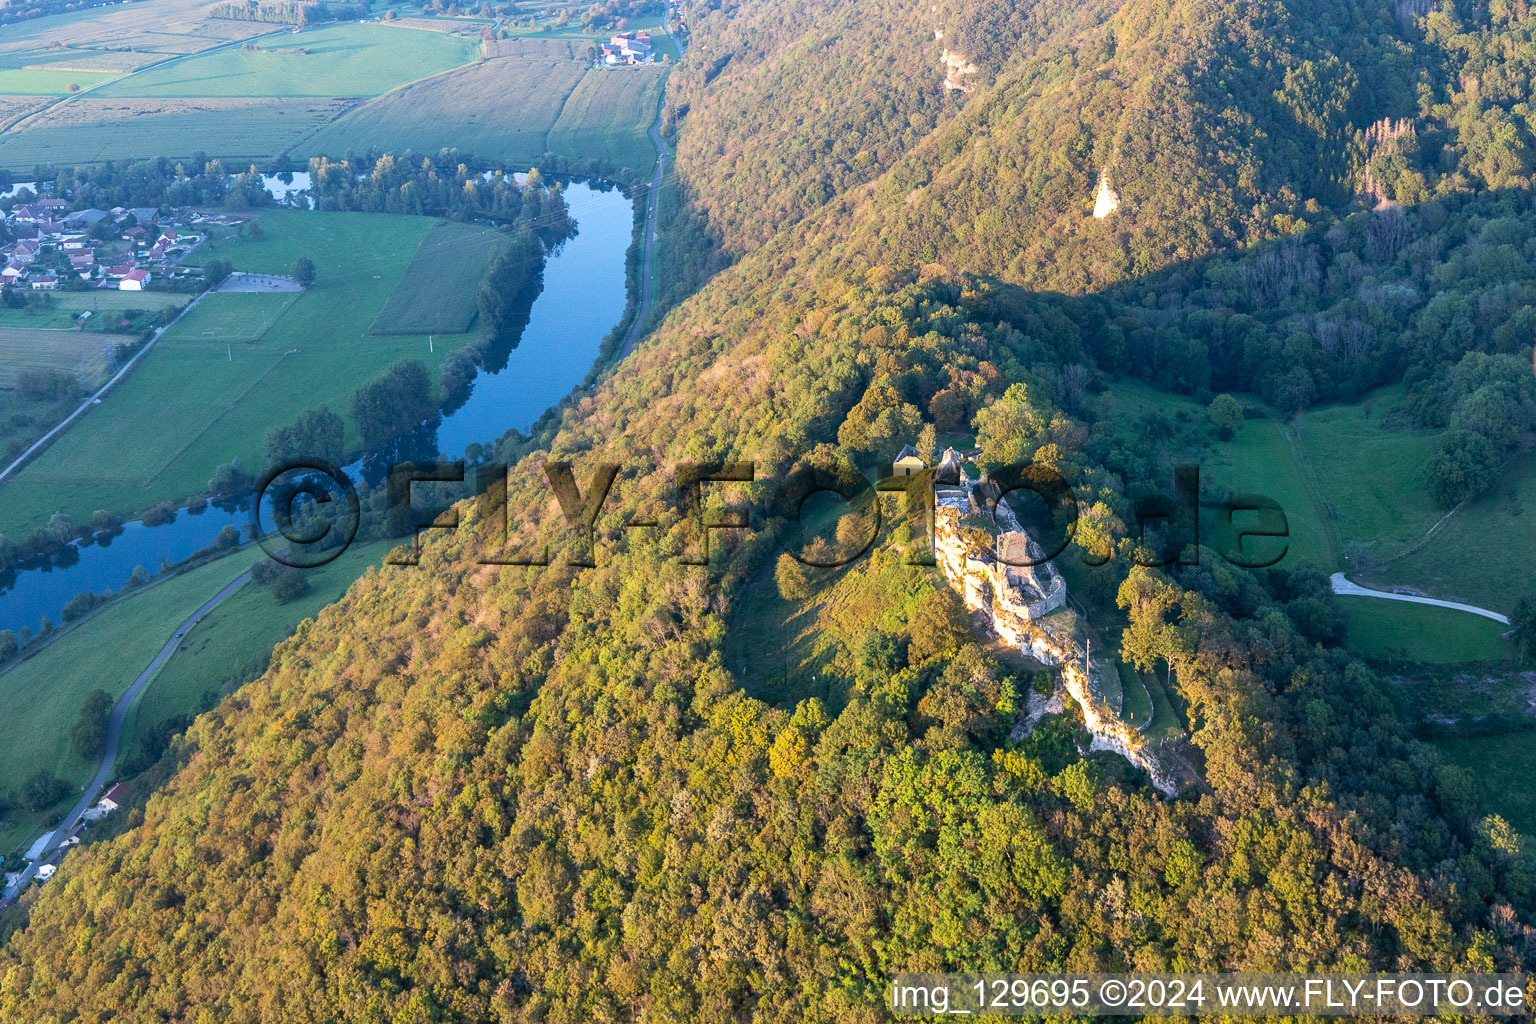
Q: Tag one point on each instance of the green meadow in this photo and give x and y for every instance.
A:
(49, 81)
(43, 694)
(237, 368)
(339, 60)
(1348, 481)
(431, 297)
(1398, 630)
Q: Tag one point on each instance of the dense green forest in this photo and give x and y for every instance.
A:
(474, 792)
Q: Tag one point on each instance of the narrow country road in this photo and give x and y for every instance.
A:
(652, 203)
(115, 730)
(1345, 588)
(100, 392)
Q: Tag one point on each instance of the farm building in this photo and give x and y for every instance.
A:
(908, 462)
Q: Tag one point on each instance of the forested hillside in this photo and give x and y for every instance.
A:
(471, 792)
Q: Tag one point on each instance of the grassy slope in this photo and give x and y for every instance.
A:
(231, 645)
(136, 449)
(1396, 629)
(1504, 765)
(42, 695)
(342, 60)
(1483, 553)
(1372, 477)
(1340, 457)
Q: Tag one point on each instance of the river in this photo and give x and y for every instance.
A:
(582, 300)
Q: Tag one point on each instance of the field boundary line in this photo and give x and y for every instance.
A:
(17, 123)
(98, 395)
(222, 413)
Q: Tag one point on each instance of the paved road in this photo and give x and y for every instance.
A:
(650, 220)
(115, 728)
(1348, 589)
(24, 456)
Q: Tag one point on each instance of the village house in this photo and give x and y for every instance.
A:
(45, 282)
(26, 250)
(109, 802)
(12, 274)
(627, 48)
(134, 280)
(85, 218)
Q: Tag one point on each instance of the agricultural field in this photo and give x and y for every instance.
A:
(136, 449)
(457, 110)
(14, 108)
(609, 115)
(91, 129)
(231, 645)
(233, 318)
(34, 81)
(340, 60)
(43, 694)
(432, 298)
(85, 354)
(125, 37)
(540, 47)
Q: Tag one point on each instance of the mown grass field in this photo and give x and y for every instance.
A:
(1394, 630)
(232, 644)
(1262, 460)
(49, 81)
(339, 60)
(1372, 477)
(1504, 766)
(138, 449)
(437, 294)
(608, 117)
(225, 318)
(500, 109)
(81, 353)
(42, 695)
(1341, 477)
(92, 129)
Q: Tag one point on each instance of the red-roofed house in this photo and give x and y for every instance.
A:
(134, 281)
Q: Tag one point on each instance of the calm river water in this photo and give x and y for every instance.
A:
(581, 301)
